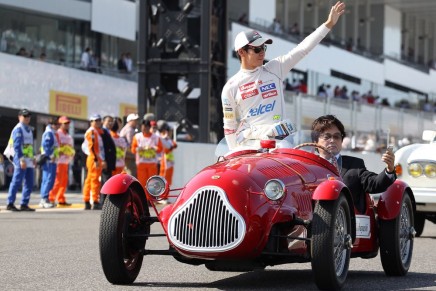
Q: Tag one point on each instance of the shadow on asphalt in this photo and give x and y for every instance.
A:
(303, 280)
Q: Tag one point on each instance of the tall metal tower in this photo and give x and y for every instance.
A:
(182, 63)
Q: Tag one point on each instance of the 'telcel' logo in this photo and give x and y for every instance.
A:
(261, 109)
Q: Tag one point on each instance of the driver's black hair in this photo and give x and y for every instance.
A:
(325, 122)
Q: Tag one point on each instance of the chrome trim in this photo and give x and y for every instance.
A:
(195, 225)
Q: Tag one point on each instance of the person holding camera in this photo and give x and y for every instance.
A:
(329, 132)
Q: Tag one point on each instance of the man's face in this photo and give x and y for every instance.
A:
(331, 139)
(65, 126)
(254, 56)
(25, 119)
(108, 122)
(96, 123)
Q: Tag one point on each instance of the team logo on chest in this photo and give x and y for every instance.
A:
(248, 90)
(268, 90)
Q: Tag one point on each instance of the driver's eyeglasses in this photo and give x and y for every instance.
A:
(328, 136)
(257, 49)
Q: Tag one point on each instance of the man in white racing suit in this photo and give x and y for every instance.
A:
(253, 101)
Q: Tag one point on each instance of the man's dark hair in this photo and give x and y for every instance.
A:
(146, 122)
(325, 122)
(53, 120)
(115, 126)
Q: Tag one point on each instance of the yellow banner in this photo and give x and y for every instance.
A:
(126, 109)
(71, 105)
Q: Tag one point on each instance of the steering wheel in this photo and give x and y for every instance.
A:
(312, 144)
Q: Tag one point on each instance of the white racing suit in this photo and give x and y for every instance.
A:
(253, 101)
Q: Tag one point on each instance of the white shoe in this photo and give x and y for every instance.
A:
(45, 203)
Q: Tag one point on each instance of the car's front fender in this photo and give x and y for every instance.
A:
(328, 190)
(389, 204)
(118, 184)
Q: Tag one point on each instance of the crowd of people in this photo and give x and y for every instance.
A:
(110, 148)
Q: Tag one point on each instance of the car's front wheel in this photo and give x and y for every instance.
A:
(396, 240)
(331, 243)
(123, 236)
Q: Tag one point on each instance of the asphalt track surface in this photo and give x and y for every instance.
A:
(57, 249)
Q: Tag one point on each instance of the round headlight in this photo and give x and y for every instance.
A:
(415, 170)
(430, 170)
(156, 186)
(274, 189)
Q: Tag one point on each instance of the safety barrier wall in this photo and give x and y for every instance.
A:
(360, 117)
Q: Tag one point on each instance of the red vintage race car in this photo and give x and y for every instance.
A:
(258, 207)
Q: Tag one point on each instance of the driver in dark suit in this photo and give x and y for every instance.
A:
(329, 132)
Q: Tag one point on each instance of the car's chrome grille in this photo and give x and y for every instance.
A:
(206, 222)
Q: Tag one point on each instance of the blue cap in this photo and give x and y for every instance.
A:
(94, 116)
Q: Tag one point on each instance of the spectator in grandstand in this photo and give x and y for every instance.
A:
(369, 97)
(121, 65)
(385, 102)
(22, 52)
(329, 132)
(85, 59)
(253, 98)
(94, 64)
(322, 91)
(50, 150)
(43, 57)
(66, 155)
(427, 107)
(294, 29)
(344, 93)
(243, 19)
(129, 63)
(329, 91)
(295, 85)
(355, 96)
(303, 87)
(337, 92)
(288, 85)
(276, 26)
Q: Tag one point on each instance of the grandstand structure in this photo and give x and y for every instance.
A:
(387, 47)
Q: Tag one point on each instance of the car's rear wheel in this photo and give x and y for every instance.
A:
(331, 243)
(396, 240)
(419, 223)
(123, 236)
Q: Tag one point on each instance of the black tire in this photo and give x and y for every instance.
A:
(419, 224)
(121, 256)
(331, 243)
(396, 240)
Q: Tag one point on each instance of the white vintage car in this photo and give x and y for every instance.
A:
(416, 165)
